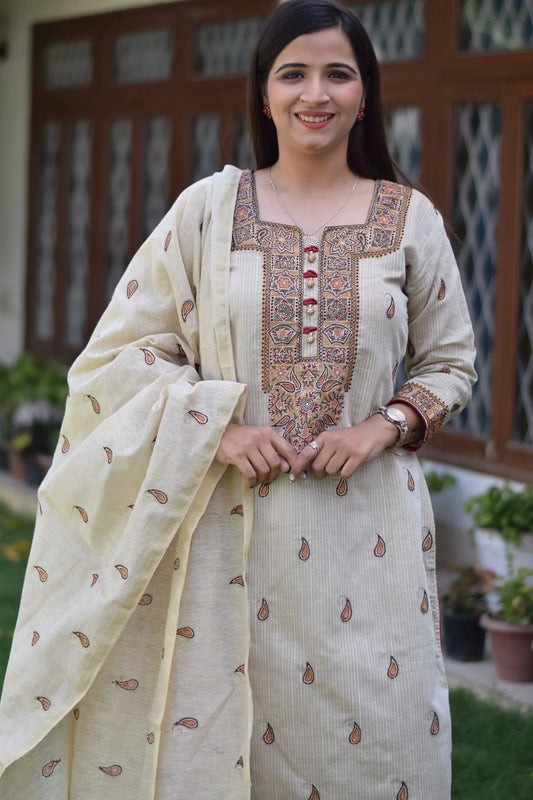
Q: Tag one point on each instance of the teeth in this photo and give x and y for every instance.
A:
(314, 118)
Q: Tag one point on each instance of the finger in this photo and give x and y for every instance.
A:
(285, 450)
(330, 460)
(318, 466)
(298, 467)
(265, 471)
(285, 466)
(303, 462)
(350, 467)
(335, 462)
(248, 472)
(274, 461)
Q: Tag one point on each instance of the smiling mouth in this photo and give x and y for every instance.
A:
(315, 117)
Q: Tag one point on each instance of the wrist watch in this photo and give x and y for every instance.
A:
(398, 419)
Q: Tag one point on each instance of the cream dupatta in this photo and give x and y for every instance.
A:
(133, 473)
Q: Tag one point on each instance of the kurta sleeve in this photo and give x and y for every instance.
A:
(134, 466)
(440, 353)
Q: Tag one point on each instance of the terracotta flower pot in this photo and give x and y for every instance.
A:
(512, 649)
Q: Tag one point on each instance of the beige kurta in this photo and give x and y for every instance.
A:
(131, 667)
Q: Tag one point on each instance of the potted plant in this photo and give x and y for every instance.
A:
(462, 605)
(511, 625)
(34, 434)
(503, 518)
(32, 401)
(437, 481)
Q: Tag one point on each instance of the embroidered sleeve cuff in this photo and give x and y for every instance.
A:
(431, 409)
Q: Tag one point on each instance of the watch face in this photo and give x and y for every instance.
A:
(396, 414)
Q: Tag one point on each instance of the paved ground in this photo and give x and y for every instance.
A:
(479, 676)
(16, 495)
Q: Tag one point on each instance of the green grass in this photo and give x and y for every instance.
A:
(492, 750)
(492, 746)
(15, 537)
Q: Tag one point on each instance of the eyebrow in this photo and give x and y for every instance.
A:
(334, 64)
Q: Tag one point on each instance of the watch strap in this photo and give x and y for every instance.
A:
(400, 424)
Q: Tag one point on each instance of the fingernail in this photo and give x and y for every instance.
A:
(304, 476)
(292, 478)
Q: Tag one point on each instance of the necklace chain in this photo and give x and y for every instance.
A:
(322, 224)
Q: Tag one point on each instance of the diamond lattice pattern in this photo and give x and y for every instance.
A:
(225, 48)
(496, 25)
(403, 136)
(475, 217)
(243, 155)
(144, 56)
(68, 64)
(119, 197)
(206, 143)
(158, 134)
(396, 27)
(523, 420)
(78, 233)
(47, 230)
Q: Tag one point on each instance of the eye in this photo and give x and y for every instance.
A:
(291, 75)
(338, 74)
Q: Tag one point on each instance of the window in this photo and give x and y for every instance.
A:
(130, 107)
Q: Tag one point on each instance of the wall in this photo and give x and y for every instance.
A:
(453, 524)
(16, 20)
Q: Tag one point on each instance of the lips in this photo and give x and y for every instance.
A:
(315, 117)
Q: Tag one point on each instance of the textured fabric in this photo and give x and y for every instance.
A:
(131, 478)
(350, 697)
(152, 620)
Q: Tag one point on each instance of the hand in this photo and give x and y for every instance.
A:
(343, 450)
(258, 452)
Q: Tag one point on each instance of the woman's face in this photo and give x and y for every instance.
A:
(315, 91)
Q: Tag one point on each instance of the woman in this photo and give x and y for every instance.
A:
(233, 575)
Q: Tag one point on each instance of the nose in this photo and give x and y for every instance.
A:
(314, 91)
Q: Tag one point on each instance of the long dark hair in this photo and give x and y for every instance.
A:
(368, 154)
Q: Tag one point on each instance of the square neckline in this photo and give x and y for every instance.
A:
(293, 226)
